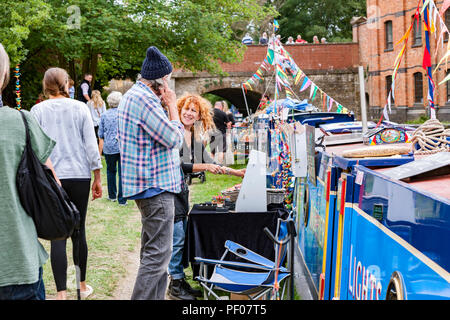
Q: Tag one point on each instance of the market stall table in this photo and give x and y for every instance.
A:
(207, 231)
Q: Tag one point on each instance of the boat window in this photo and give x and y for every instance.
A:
(306, 205)
(395, 290)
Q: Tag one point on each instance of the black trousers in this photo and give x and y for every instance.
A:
(78, 191)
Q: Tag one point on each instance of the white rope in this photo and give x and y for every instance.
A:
(431, 137)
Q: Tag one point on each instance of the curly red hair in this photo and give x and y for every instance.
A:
(204, 109)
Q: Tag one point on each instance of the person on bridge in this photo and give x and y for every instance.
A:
(263, 39)
(247, 39)
(299, 40)
(290, 40)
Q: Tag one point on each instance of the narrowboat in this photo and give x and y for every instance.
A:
(365, 234)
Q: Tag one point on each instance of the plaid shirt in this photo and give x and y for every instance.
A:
(148, 143)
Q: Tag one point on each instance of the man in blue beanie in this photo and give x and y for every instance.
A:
(149, 139)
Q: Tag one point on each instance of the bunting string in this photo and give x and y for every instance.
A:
(18, 98)
(286, 71)
(397, 63)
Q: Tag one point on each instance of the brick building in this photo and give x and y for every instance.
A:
(377, 34)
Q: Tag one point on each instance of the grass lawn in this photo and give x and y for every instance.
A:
(203, 192)
(214, 184)
(113, 233)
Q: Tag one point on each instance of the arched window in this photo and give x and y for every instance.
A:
(418, 87)
(388, 35)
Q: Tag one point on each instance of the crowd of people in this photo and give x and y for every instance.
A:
(150, 141)
(263, 40)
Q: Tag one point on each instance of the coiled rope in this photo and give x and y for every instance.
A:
(431, 137)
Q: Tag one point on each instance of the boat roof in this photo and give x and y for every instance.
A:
(439, 185)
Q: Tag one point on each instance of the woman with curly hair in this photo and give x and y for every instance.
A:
(197, 118)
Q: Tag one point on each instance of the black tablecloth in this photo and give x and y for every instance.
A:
(207, 232)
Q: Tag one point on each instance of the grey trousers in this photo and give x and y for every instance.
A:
(157, 214)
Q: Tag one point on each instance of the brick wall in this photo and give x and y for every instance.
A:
(333, 56)
(379, 61)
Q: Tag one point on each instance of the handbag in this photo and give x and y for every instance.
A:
(44, 200)
(182, 202)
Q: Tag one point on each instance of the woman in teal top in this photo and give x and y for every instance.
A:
(21, 254)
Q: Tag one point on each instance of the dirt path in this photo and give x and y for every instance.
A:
(131, 262)
(126, 284)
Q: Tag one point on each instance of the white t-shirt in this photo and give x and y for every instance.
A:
(96, 114)
(68, 122)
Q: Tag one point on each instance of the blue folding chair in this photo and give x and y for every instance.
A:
(257, 276)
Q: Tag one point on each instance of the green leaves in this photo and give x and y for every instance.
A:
(194, 34)
(17, 19)
(109, 38)
(324, 18)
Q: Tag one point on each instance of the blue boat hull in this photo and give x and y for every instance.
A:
(366, 236)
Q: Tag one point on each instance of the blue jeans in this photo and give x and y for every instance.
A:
(34, 291)
(176, 269)
(112, 168)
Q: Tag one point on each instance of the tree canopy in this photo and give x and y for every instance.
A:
(17, 20)
(324, 18)
(109, 38)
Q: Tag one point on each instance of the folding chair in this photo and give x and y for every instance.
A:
(257, 276)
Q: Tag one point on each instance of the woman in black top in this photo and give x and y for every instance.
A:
(196, 116)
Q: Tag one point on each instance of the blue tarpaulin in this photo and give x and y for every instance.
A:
(289, 103)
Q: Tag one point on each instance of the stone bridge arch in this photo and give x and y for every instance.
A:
(333, 67)
(227, 87)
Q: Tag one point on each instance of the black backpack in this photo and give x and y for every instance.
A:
(43, 199)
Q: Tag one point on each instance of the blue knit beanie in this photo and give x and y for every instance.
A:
(156, 65)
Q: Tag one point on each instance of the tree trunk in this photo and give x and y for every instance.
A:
(73, 75)
(86, 64)
(93, 67)
(90, 64)
(62, 61)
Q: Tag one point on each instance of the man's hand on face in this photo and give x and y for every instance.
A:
(169, 99)
(168, 96)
